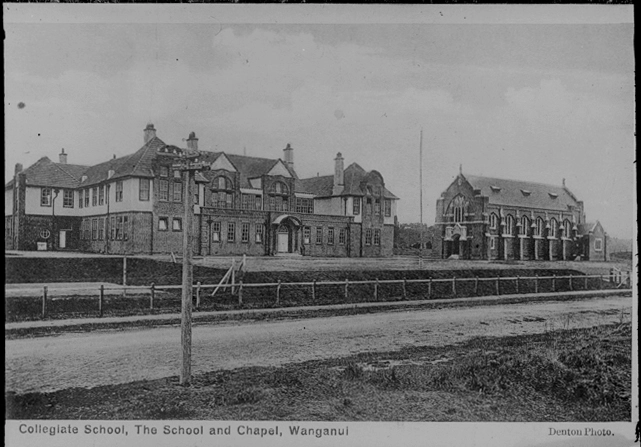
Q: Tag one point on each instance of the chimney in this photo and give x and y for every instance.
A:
(339, 181)
(150, 132)
(18, 168)
(63, 157)
(192, 141)
(289, 156)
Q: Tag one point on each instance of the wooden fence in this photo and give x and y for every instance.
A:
(347, 291)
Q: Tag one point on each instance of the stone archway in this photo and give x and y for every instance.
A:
(286, 234)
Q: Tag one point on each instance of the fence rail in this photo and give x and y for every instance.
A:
(348, 290)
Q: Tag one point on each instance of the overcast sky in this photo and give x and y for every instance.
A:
(538, 102)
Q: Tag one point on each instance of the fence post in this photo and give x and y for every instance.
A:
(600, 282)
(454, 285)
(536, 283)
(152, 296)
(586, 282)
(240, 292)
(404, 289)
(100, 299)
(571, 288)
(313, 290)
(44, 302)
(628, 280)
(124, 275)
(476, 285)
(429, 288)
(278, 293)
(498, 286)
(517, 283)
(198, 284)
(554, 282)
(376, 290)
(346, 287)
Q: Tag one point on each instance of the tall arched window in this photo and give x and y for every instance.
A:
(538, 230)
(279, 197)
(553, 227)
(494, 221)
(525, 225)
(509, 224)
(222, 192)
(458, 208)
(567, 228)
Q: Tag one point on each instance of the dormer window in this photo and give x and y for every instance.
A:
(110, 173)
(495, 188)
(526, 192)
(553, 195)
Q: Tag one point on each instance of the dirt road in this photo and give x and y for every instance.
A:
(99, 358)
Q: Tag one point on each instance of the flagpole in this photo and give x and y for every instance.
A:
(420, 171)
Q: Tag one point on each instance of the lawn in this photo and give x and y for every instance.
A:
(576, 375)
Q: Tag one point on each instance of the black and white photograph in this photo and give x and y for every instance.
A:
(324, 225)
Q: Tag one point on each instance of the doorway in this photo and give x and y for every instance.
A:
(62, 243)
(282, 239)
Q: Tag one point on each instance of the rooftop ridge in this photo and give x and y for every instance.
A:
(468, 177)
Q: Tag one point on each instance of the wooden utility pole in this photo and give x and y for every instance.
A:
(188, 165)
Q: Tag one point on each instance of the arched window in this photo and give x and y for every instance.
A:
(279, 188)
(509, 224)
(538, 230)
(553, 227)
(458, 208)
(525, 225)
(567, 228)
(494, 221)
(222, 192)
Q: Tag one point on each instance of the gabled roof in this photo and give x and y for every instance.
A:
(248, 167)
(353, 176)
(138, 164)
(44, 172)
(523, 194)
(588, 227)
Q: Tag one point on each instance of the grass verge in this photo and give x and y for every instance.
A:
(576, 375)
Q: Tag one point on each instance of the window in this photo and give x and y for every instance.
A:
(284, 204)
(244, 232)
(125, 227)
(509, 224)
(178, 192)
(177, 175)
(101, 228)
(67, 198)
(258, 203)
(244, 201)
(279, 188)
(377, 207)
(388, 208)
(525, 225)
(459, 206)
(493, 221)
(94, 229)
(319, 235)
(356, 206)
(567, 229)
(223, 183)
(119, 191)
(101, 195)
(342, 236)
(538, 230)
(164, 171)
(492, 243)
(553, 227)
(163, 190)
(215, 231)
(119, 228)
(598, 244)
(260, 230)
(231, 232)
(304, 205)
(87, 198)
(113, 227)
(377, 237)
(176, 224)
(81, 195)
(330, 236)
(94, 197)
(307, 235)
(143, 190)
(368, 236)
(163, 223)
(278, 199)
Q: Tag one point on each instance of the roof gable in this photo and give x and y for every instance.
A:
(222, 163)
(44, 172)
(279, 168)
